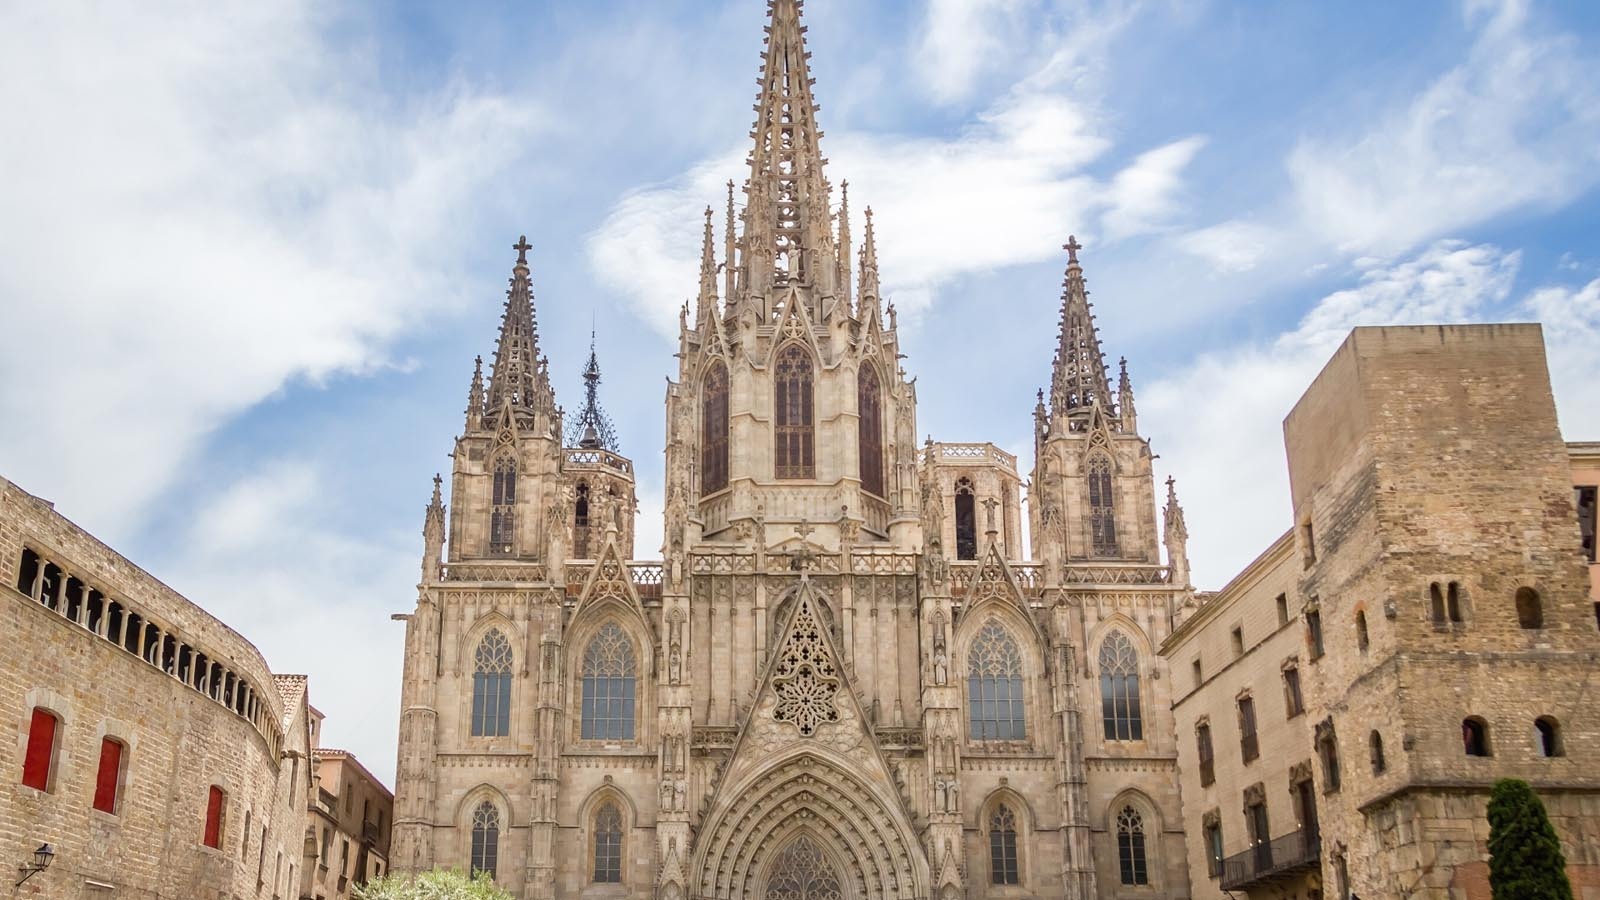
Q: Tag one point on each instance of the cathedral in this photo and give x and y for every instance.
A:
(852, 673)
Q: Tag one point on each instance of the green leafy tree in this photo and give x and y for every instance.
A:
(439, 884)
(1525, 861)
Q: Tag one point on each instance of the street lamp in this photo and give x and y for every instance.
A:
(42, 858)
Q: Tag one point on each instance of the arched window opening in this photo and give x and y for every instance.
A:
(1328, 752)
(491, 686)
(1130, 847)
(608, 686)
(108, 777)
(502, 513)
(1206, 754)
(608, 845)
(1452, 602)
(1362, 638)
(39, 760)
(1549, 731)
(1375, 748)
(486, 839)
(714, 429)
(796, 451)
(1102, 507)
(966, 520)
(870, 429)
(1003, 867)
(580, 522)
(994, 686)
(1119, 689)
(1530, 610)
(216, 803)
(1475, 736)
(802, 872)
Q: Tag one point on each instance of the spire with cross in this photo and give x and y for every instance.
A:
(1079, 381)
(519, 379)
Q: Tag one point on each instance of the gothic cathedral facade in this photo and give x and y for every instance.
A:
(849, 675)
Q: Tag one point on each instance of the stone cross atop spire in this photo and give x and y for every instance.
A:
(519, 379)
(1079, 381)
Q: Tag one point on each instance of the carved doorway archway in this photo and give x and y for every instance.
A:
(802, 871)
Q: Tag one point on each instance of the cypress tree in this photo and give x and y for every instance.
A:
(1525, 861)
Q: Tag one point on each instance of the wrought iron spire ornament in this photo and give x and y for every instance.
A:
(592, 428)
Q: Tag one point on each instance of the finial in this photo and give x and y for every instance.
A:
(522, 247)
(1072, 247)
(437, 484)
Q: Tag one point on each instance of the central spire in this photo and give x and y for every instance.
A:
(787, 236)
(519, 380)
(1079, 382)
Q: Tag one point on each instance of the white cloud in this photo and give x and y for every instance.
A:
(1219, 420)
(1516, 124)
(1571, 320)
(1144, 196)
(217, 200)
(960, 40)
(1229, 247)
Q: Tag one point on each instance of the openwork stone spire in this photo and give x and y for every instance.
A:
(869, 269)
(1079, 381)
(787, 222)
(592, 429)
(519, 379)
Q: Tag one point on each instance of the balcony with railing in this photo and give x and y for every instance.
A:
(598, 458)
(975, 454)
(1272, 862)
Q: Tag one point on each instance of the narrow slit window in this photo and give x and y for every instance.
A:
(795, 430)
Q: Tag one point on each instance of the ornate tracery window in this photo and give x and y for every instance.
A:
(793, 413)
(1119, 689)
(714, 429)
(503, 511)
(994, 686)
(608, 686)
(870, 429)
(1102, 507)
(1003, 846)
(608, 844)
(491, 686)
(486, 838)
(801, 872)
(1130, 847)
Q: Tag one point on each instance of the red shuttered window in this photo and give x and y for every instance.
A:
(213, 834)
(106, 779)
(41, 754)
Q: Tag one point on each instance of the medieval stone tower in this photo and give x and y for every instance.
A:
(846, 677)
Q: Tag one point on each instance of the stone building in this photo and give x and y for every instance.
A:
(1426, 627)
(350, 811)
(145, 741)
(849, 674)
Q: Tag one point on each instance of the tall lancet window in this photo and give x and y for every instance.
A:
(608, 845)
(1130, 847)
(870, 429)
(608, 686)
(491, 686)
(714, 429)
(502, 514)
(1102, 508)
(795, 433)
(994, 687)
(580, 523)
(1003, 846)
(1119, 689)
(486, 838)
(966, 520)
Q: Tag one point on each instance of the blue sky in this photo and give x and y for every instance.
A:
(247, 252)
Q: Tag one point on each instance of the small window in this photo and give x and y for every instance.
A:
(1314, 633)
(1198, 678)
(1283, 609)
(1205, 754)
(1375, 749)
(1309, 545)
(1586, 518)
(1213, 833)
(1003, 847)
(1475, 736)
(108, 777)
(1238, 642)
(1293, 703)
(1248, 747)
(1363, 640)
(1328, 752)
(215, 806)
(39, 762)
(1436, 609)
(1549, 732)
(1530, 611)
(1452, 600)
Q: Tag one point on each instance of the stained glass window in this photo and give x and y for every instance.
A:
(1102, 508)
(714, 430)
(870, 429)
(994, 686)
(1119, 689)
(608, 845)
(796, 452)
(486, 838)
(491, 686)
(608, 686)
(1130, 847)
(1003, 846)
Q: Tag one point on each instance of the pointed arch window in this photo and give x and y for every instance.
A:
(580, 522)
(714, 429)
(486, 839)
(1003, 867)
(1119, 689)
(870, 425)
(1130, 847)
(1102, 507)
(502, 513)
(795, 431)
(491, 686)
(966, 520)
(609, 683)
(994, 686)
(608, 845)
(802, 872)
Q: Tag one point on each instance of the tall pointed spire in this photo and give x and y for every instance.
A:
(475, 396)
(433, 533)
(1130, 416)
(592, 429)
(844, 243)
(518, 379)
(1079, 382)
(729, 254)
(869, 270)
(706, 304)
(787, 221)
